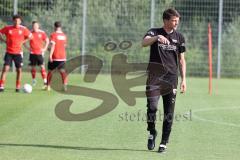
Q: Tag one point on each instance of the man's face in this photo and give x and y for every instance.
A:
(17, 21)
(35, 26)
(172, 23)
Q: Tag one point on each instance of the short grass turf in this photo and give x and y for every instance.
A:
(205, 127)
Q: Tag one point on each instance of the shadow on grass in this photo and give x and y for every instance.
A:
(69, 147)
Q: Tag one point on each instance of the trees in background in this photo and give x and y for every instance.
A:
(118, 20)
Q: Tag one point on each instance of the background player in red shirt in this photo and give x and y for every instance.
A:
(57, 57)
(38, 45)
(15, 36)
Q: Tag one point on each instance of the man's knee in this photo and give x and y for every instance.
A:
(62, 70)
(42, 67)
(6, 68)
(152, 104)
(169, 117)
(19, 70)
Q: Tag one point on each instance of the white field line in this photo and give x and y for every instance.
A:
(214, 121)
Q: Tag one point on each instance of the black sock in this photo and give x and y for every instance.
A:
(153, 132)
(164, 142)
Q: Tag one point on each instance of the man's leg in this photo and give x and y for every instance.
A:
(168, 107)
(33, 73)
(3, 77)
(40, 62)
(152, 104)
(18, 79)
(51, 67)
(49, 78)
(18, 60)
(61, 68)
(8, 58)
(33, 63)
(44, 74)
(64, 78)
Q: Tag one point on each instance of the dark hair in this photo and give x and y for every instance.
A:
(16, 16)
(33, 22)
(57, 24)
(168, 13)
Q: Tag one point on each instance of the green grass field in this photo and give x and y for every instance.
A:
(30, 130)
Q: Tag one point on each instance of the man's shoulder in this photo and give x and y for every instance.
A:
(8, 27)
(179, 34)
(154, 31)
(53, 34)
(23, 27)
(41, 31)
(64, 35)
(58, 35)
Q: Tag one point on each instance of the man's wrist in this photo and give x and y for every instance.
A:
(183, 79)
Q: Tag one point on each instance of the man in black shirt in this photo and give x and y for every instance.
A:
(167, 47)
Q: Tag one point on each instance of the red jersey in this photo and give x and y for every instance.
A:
(59, 39)
(15, 37)
(37, 42)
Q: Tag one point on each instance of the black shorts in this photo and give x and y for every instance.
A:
(17, 58)
(160, 85)
(154, 79)
(36, 60)
(56, 65)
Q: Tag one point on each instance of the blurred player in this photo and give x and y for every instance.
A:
(15, 36)
(57, 57)
(38, 45)
(167, 49)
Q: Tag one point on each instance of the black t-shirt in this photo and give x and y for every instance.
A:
(166, 55)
